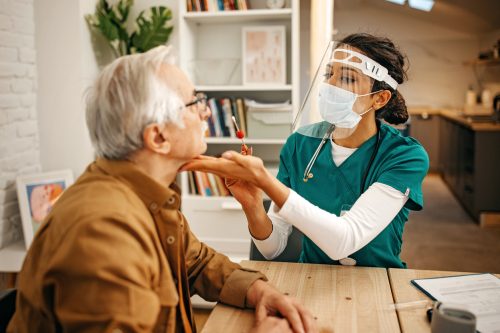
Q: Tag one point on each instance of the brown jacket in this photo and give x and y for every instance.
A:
(116, 255)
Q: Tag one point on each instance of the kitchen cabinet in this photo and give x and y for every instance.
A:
(470, 165)
(425, 128)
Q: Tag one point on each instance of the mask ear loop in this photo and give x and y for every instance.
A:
(371, 107)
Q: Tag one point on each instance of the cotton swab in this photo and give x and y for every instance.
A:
(240, 135)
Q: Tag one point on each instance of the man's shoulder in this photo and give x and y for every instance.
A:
(99, 194)
(97, 201)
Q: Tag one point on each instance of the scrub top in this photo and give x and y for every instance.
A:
(401, 162)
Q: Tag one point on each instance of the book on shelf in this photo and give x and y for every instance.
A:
(216, 5)
(191, 183)
(255, 119)
(206, 184)
(220, 123)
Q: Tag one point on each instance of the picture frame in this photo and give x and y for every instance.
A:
(37, 193)
(264, 55)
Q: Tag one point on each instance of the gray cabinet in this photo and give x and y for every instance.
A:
(470, 165)
(425, 128)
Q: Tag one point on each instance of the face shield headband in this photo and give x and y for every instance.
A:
(366, 65)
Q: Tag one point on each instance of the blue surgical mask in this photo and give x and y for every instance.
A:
(336, 106)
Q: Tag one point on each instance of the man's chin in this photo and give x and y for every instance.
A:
(204, 147)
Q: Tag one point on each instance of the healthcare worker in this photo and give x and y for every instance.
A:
(347, 182)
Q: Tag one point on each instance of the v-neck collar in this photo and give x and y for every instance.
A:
(349, 161)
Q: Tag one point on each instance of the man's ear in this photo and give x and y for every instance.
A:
(154, 140)
(381, 99)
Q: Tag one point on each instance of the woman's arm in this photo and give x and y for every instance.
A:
(259, 224)
(275, 243)
(339, 237)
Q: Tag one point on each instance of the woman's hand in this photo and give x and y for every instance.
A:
(232, 165)
(247, 168)
(246, 193)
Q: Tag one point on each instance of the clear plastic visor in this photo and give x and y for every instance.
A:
(340, 84)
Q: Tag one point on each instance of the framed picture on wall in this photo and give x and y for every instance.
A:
(264, 55)
(36, 195)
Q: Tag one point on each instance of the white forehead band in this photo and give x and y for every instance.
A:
(368, 66)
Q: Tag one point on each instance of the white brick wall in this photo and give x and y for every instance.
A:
(19, 140)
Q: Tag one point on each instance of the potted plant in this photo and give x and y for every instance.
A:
(152, 27)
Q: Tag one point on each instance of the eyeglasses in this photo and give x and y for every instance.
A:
(200, 101)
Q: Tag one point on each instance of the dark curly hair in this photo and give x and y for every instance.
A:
(383, 51)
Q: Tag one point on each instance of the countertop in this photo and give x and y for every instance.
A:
(456, 116)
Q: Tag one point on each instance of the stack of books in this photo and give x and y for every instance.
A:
(220, 123)
(207, 184)
(216, 5)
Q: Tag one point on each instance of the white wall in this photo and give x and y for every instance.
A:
(19, 139)
(437, 76)
(67, 67)
(63, 138)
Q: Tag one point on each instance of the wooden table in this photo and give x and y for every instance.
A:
(413, 319)
(342, 299)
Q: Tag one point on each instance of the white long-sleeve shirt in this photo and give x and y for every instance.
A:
(337, 236)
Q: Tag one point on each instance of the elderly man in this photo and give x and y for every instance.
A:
(115, 254)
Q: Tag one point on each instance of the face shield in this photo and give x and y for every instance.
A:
(339, 95)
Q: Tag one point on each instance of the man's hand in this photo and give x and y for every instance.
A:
(272, 324)
(270, 302)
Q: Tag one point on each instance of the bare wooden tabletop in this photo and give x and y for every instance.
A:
(342, 299)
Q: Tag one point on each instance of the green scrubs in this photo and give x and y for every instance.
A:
(401, 162)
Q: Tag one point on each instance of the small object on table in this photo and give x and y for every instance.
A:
(451, 319)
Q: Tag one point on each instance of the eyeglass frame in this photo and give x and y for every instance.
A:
(201, 100)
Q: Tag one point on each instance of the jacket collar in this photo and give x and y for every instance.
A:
(152, 193)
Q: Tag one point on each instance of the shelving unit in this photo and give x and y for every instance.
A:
(239, 15)
(235, 141)
(483, 62)
(205, 88)
(217, 36)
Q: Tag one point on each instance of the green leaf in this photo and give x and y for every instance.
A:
(123, 8)
(110, 22)
(153, 26)
(154, 29)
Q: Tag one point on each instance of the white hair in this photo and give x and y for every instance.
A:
(128, 95)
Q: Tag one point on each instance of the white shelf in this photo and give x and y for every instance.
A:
(220, 221)
(211, 198)
(286, 87)
(239, 15)
(12, 257)
(230, 141)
